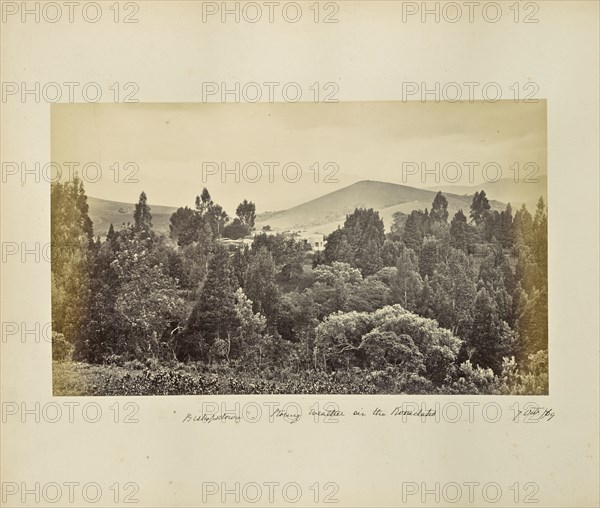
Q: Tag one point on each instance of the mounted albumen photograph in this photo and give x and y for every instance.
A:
(299, 248)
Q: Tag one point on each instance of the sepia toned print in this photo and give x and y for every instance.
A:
(347, 248)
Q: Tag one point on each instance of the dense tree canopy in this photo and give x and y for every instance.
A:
(433, 306)
(439, 208)
(246, 212)
(359, 242)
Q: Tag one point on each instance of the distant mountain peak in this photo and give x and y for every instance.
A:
(325, 213)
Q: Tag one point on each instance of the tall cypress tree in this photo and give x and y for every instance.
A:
(490, 338)
(459, 231)
(439, 209)
(523, 227)
(260, 285)
(480, 206)
(142, 215)
(214, 315)
(71, 234)
(414, 229)
(407, 284)
(506, 235)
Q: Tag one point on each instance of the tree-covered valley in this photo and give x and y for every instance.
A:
(431, 303)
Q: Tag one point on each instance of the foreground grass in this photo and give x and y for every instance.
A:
(153, 378)
(77, 379)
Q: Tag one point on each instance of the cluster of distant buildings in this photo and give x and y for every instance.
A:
(316, 241)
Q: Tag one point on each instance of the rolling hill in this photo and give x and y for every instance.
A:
(323, 214)
(103, 212)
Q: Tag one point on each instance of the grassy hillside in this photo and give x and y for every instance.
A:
(324, 214)
(104, 212)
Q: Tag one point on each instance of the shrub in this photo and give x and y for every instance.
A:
(475, 380)
(62, 349)
(531, 379)
(389, 336)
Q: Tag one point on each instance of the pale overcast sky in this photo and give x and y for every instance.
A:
(367, 141)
